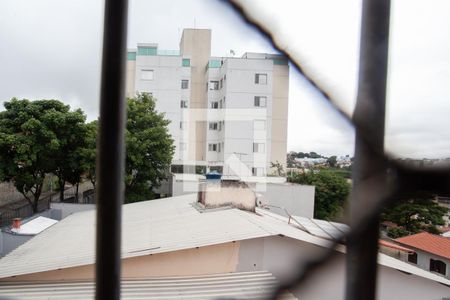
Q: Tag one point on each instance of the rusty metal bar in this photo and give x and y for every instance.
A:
(370, 116)
(110, 150)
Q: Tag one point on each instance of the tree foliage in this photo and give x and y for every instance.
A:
(36, 138)
(332, 161)
(413, 213)
(45, 136)
(149, 148)
(89, 152)
(331, 191)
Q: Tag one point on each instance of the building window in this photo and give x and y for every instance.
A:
(259, 147)
(259, 124)
(438, 266)
(260, 101)
(213, 126)
(146, 51)
(218, 147)
(147, 75)
(213, 85)
(220, 103)
(214, 105)
(221, 84)
(186, 62)
(184, 84)
(183, 104)
(183, 125)
(261, 78)
(412, 258)
(257, 171)
(212, 147)
(131, 55)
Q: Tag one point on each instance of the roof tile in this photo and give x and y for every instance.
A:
(428, 242)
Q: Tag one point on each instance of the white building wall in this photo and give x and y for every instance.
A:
(166, 88)
(282, 256)
(240, 114)
(236, 100)
(423, 260)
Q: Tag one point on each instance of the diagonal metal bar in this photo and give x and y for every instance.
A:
(327, 95)
(110, 151)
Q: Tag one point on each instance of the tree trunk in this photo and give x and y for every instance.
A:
(37, 195)
(62, 184)
(76, 194)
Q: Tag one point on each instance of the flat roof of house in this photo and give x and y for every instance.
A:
(34, 226)
(428, 242)
(246, 285)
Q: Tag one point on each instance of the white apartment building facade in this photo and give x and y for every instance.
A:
(226, 113)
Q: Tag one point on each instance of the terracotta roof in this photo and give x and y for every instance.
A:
(428, 242)
(394, 246)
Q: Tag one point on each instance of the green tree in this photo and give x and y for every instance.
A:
(31, 142)
(331, 191)
(69, 127)
(277, 168)
(413, 213)
(89, 152)
(332, 161)
(149, 148)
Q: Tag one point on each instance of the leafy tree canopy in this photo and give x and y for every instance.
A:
(331, 191)
(413, 213)
(149, 148)
(34, 136)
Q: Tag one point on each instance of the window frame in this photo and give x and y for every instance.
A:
(149, 71)
(257, 101)
(184, 84)
(259, 77)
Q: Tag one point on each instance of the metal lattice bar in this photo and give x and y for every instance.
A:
(362, 252)
(111, 158)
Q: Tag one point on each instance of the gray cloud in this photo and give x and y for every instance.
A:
(52, 49)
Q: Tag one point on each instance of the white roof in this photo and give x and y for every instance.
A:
(159, 226)
(149, 227)
(34, 226)
(247, 285)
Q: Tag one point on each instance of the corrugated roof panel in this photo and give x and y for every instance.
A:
(247, 285)
(148, 227)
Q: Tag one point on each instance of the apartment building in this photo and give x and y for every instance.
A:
(227, 113)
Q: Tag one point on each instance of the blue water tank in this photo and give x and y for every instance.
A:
(214, 175)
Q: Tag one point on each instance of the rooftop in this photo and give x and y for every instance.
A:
(246, 285)
(171, 224)
(428, 242)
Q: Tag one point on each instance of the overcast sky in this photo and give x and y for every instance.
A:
(52, 49)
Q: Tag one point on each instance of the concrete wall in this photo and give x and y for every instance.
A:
(280, 114)
(221, 258)
(67, 209)
(196, 43)
(9, 242)
(297, 199)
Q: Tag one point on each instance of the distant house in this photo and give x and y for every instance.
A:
(175, 240)
(431, 252)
